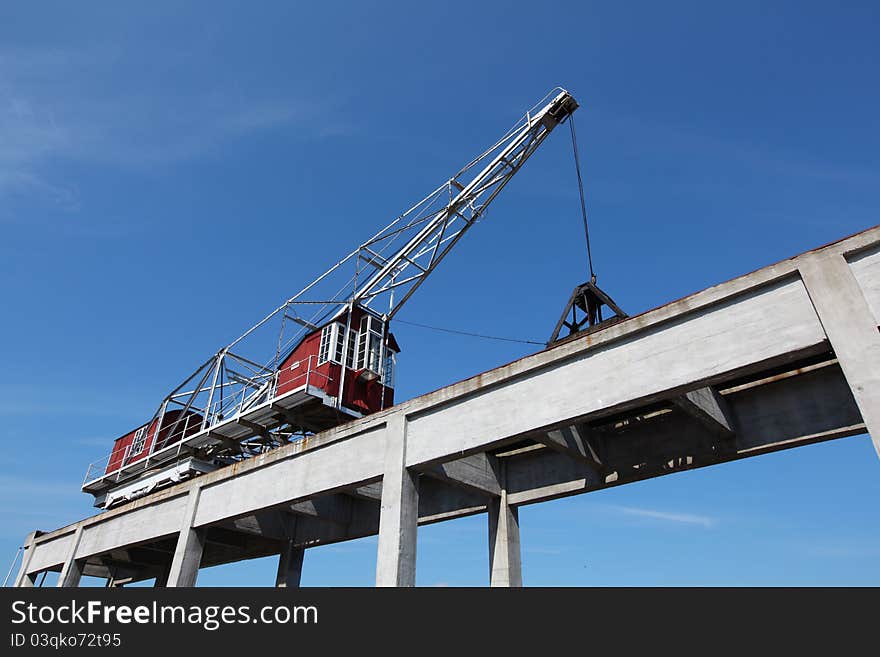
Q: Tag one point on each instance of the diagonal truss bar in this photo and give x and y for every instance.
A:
(448, 224)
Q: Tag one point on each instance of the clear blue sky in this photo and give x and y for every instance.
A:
(148, 150)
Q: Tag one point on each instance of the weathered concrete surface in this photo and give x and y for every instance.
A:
(190, 545)
(851, 328)
(25, 577)
(762, 343)
(505, 559)
(72, 570)
(865, 266)
(756, 326)
(290, 563)
(398, 521)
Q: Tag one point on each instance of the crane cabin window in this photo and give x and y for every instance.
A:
(324, 347)
(352, 347)
(139, 440)
(332, 345)
(369, 344)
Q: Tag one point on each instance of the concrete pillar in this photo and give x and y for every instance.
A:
(27, 582)
(851, 329)
(24, 579)
(399, 514)
(190, 545)
(290, 562)
(505, 561)
(71, 571)
(162, 578)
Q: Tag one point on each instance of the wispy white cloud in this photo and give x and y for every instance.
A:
(666, 516)
(60, 106)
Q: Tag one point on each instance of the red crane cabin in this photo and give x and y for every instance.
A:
(370, 361)
(138, 444)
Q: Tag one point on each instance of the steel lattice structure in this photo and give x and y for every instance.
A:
(382, 272)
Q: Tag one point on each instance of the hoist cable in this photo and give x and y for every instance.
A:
(468, 333)
(577, 166)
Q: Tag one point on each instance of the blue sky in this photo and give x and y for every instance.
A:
(147, 152)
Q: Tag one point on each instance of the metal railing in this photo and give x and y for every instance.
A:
(222, 409)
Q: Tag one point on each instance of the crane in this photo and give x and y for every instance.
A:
(334, 355)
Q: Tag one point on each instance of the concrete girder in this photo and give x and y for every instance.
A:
(709, 408)
(475, 473)
(576, 441)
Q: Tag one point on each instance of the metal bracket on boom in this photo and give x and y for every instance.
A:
(584, 311)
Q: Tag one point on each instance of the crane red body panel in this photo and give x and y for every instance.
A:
(138, 444)
(361, 368)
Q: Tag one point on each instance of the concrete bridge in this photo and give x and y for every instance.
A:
(785, 356)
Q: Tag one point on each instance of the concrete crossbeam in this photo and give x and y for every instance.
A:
(575, 442)
(709, 408)
(474, 473)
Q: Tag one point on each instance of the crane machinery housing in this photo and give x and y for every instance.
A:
(334, 355)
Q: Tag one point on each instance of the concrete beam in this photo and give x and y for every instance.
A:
(709, 408)
(474, 473)
(269, 524)
(759, 328)
(330, 508)
(851, 329)
(786, 412)
(190, 544)
(398, 519)
(439, 501)
(575, 441)
(372, 492)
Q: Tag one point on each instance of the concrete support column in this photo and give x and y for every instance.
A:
(290, 562)
(505, 561)
(851, 329)
(71, 571)
(399, 514)
(24, 579)
(27, 582)
(162, 578)
(190, 545)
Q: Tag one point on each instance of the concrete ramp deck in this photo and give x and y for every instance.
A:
(785, 356)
